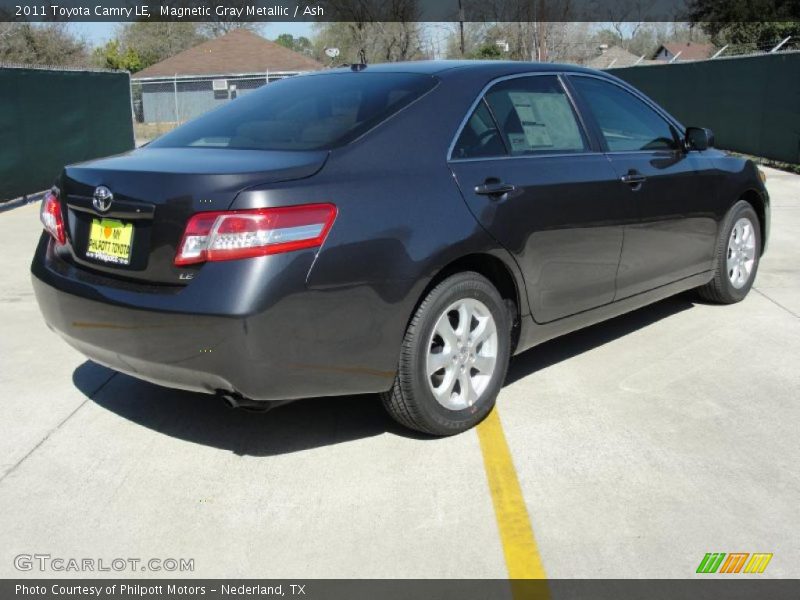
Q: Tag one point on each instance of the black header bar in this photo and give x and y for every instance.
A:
(391, 10)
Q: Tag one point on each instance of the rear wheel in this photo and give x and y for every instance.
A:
(454, 357)
(737, 256)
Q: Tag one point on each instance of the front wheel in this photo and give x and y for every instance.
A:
(454, 357)
(737, 256)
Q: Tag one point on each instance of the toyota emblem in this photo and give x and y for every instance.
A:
(102, 198)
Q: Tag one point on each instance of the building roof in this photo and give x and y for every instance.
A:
(239, 51)
(688, 50)
(614, 56)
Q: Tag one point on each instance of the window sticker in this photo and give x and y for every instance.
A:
(535, 131)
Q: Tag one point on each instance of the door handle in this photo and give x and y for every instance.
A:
(634, 179)
(494, 188)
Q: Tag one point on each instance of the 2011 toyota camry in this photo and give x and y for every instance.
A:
(399, 229)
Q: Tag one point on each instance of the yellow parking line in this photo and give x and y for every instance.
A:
(516, 534)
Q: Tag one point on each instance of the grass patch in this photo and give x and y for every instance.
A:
(150, 131)
(768, 162)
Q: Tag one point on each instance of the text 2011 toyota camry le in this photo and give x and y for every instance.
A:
(397, 229)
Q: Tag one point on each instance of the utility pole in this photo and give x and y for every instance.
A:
(461, 26)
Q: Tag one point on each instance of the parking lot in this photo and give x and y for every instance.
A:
(630, 449)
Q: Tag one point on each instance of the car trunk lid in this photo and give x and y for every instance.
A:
(155, 191)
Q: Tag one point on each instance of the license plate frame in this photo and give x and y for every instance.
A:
(110, 241)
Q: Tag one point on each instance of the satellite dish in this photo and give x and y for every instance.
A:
(331, 52)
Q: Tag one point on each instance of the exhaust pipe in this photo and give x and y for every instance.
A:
(236, 400)
(230, 400)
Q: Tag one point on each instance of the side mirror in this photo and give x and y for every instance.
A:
(699, 138)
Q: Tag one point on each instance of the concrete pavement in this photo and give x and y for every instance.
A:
(639, 444)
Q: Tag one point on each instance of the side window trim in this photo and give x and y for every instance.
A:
(673, 124)
(592, 131)
(588, 136)
(496, 126)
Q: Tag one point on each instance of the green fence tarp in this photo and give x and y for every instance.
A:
(751, 103)
(50, 118)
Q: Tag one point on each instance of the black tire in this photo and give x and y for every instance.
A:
(720, 289)
(411, 401)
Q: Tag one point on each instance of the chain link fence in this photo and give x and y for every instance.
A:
(161, 104)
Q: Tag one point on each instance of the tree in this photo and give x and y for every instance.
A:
(759, 23)
(152, 42)
(475, 36)
(370, 41)
(547, 41)
(215, 29)
(542, 41)
(111, 56)
(372, 30)
(140, 44)
(531, 27)
(299, 44)
(42, 44)
(486, 52)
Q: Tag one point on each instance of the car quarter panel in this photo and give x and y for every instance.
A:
(400, 221)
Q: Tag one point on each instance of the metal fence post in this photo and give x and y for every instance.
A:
(175, 93)
(778, 47)
(133, 108)
(719, 52)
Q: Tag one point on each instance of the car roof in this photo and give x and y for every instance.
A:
(439, 67)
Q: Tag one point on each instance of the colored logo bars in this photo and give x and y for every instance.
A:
(734, 563)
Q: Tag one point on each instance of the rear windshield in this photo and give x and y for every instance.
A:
(313, 112)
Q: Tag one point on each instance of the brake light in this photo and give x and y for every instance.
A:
(50, 215)
(214, 236)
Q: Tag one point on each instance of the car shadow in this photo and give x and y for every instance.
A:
(565, 347)
(205, 419)
(316, 422)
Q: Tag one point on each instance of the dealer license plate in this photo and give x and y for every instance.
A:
(110, 241)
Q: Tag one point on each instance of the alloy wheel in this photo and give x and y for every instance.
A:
(462, 354)
(741, 255)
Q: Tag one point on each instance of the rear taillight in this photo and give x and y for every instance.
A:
(234, 234)
(50, 214)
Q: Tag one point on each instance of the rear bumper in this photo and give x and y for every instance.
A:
(250, 327)
(166, 349)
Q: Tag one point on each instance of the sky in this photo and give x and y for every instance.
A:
(99, 33)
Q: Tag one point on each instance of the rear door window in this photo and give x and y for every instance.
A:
(535, 116)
